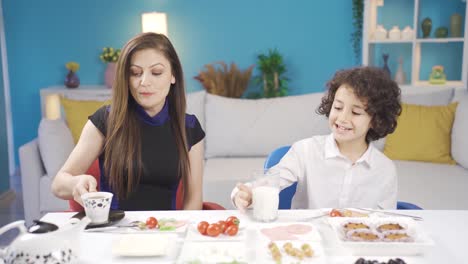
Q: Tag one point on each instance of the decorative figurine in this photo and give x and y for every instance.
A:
(385, 66)
(72, 80)
(407, 33)
(426, 26)
(400, 76)
(437, 75)
(394, 33)
(380, 33)
(456, 25)
(441, 32)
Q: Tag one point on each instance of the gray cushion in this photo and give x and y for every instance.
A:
(460, 132)
(245, 127)
(55, 144)
(196, 105)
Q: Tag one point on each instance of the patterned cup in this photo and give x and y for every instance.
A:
(97, 206)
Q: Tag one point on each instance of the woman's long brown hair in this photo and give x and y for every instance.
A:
(122, 163)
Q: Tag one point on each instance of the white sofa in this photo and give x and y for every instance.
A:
(239, 135)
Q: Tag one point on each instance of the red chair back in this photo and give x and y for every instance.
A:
(180, 200)
(94, 171)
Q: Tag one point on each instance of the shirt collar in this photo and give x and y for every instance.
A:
(158, 120)
(332, 151)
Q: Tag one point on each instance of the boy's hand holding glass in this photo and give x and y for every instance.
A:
(243, 197)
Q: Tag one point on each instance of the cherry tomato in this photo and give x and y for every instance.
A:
(151, 222)
(232, 220)
(222, 225)
(335, 213)
(232, 230)
(213, 230)
(202, 226)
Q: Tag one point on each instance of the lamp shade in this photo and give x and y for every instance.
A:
(52, 106)
(154, 22)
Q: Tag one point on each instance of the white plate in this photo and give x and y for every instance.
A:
(312, 235)
(212, 252)
(194, 235)
(144, 245)
(422, 242)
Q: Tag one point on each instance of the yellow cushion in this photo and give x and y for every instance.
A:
(77, 112)
(423, 133)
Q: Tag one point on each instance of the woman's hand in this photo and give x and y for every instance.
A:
(243, 197)
(86, 184)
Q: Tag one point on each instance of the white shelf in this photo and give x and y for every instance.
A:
(373, 41)
(439, 40)
(411, 89)
(418, 50)
(447, 84)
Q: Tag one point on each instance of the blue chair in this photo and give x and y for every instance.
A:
(287, 194)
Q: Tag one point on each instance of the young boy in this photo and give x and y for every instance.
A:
(343, 169)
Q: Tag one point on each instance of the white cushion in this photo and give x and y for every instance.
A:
(196, 105)
(221, 175)
(432, 186)
(441, 97)
(245, 127)
(55, 144)
(460, 132)
(50, 202)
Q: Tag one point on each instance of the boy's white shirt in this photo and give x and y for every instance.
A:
(327, 179)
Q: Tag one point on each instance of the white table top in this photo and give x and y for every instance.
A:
(448, 230)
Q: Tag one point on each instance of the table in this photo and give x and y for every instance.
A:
(448, 229)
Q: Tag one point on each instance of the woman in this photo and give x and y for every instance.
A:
(145, 142)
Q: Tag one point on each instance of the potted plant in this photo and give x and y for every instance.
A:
(272, 77)
(220, 79)
(356, 36)
(109, 56)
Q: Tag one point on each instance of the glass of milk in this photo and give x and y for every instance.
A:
(265, 195)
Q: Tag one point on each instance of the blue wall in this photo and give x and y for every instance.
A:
(4, 163)
(313, 36)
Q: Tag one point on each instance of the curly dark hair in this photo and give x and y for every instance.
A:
(374, 87)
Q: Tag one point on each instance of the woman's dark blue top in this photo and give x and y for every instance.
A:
(159, 179)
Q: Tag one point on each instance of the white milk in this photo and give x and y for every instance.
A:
(265, 200)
